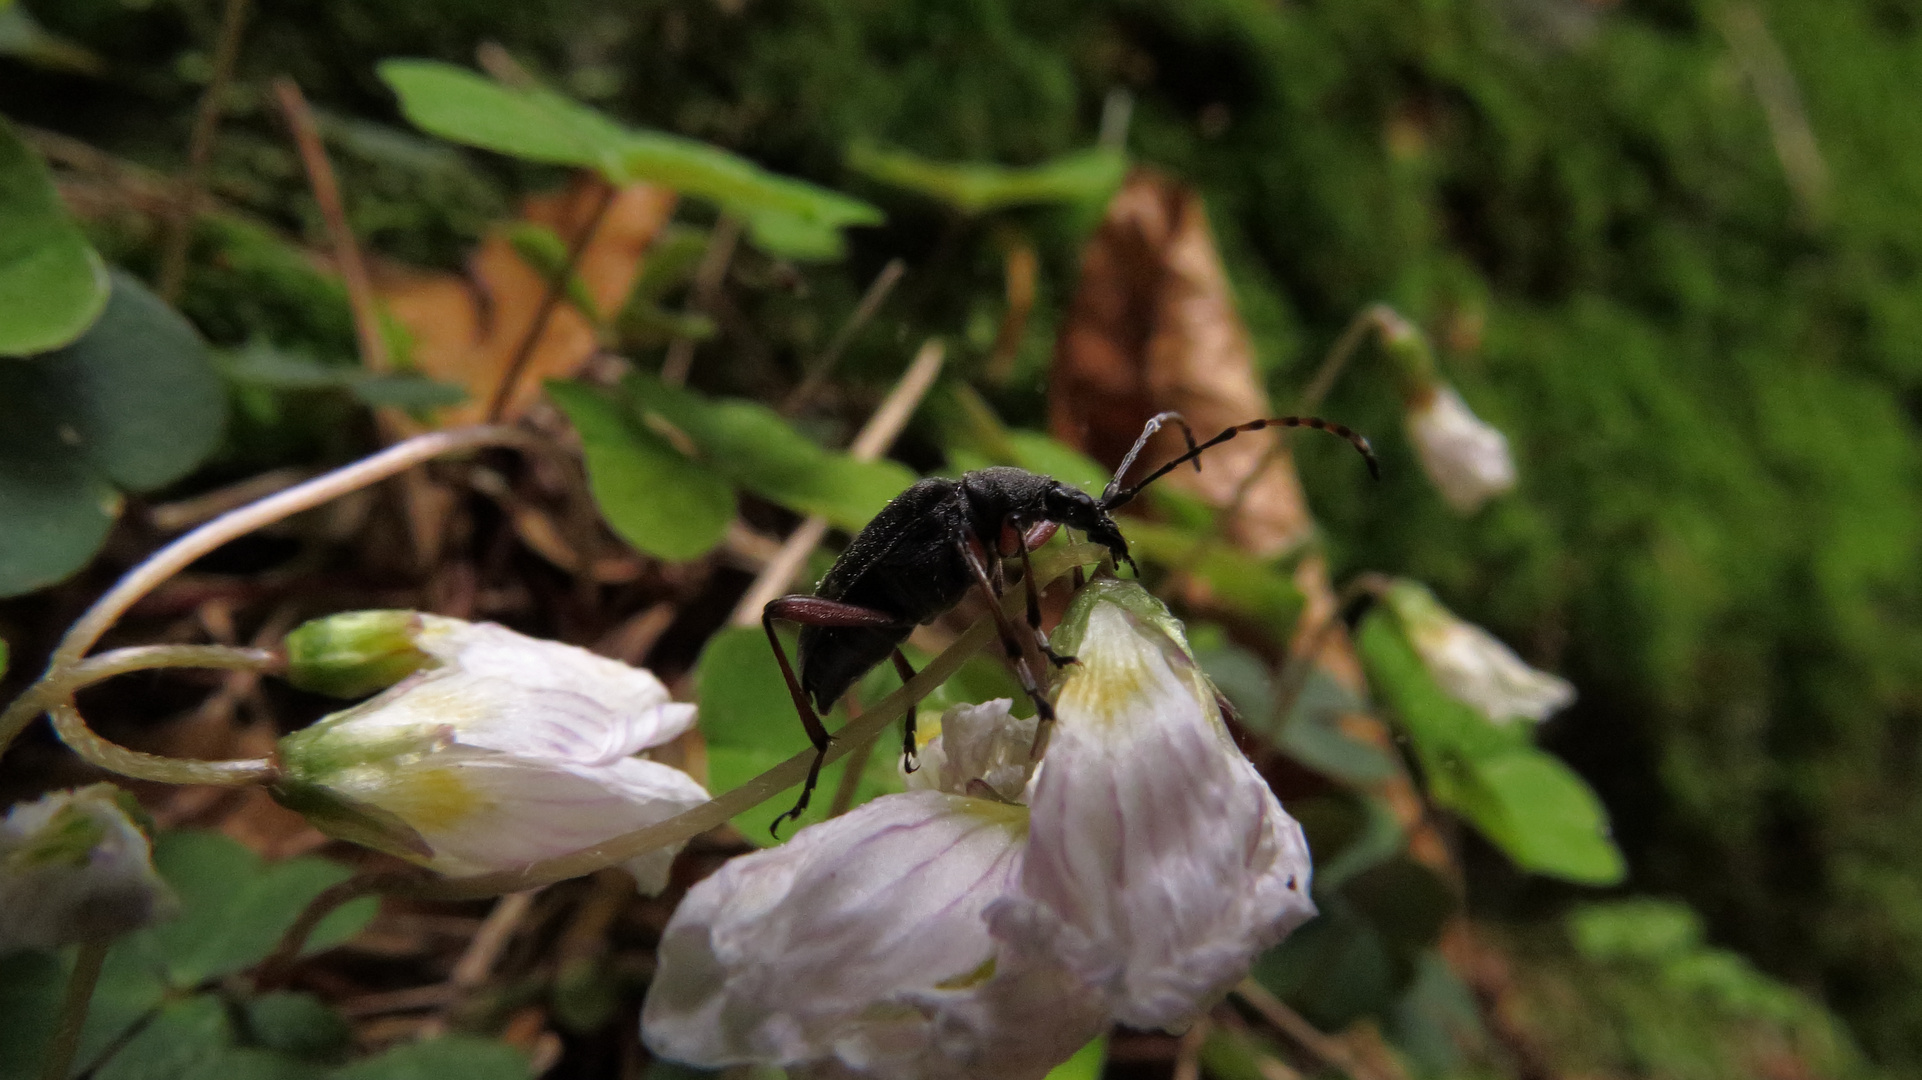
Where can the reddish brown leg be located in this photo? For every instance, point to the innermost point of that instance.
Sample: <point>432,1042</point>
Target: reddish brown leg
<point>1010,640</point>
<point>910,753</point>
<point>812,611</point>
<point>1034,601</point>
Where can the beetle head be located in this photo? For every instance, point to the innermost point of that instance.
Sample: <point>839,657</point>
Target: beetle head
<point>1078,510</point>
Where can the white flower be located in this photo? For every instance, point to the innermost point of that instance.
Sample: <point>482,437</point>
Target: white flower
<point>503,750</point>
<point>1467,459</point>
<point>1471,664</point>
<point>74,867</point>
<point>953,933</point>
<point>862,946</point>
<point>1158,856</point>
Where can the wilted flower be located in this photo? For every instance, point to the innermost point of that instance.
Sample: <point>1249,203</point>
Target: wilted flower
<point>1471,664</point>
<point>953,932</point>
<point>1467,459</point>
<point>501,750</point>
<point>75,867</point>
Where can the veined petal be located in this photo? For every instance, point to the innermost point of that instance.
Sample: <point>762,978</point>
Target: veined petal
<point>480,811</point>
<point>638,709</point>
<point>1158,855</point>
<point>1473,665</point>
<point>857,942</point>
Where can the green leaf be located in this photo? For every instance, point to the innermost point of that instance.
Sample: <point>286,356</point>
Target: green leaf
<point>753,446</point>
<point>52,283</point>
<point>135,403</point>
<point>192,1039</point>
<point>748,720</point>
<point>297,1024</point>
<point>437,1059</point>
<point>791,236</point>
<point>31,982</point>
<point>535,124</point>
<point>22,36</point>
<point>543,250</point>
<point>137,394</point>
<point>1086,1064</point>
<point>265,365</point>
<point>234,907</point>
<point>1085,176</point>
<point>1541,815</point>
<point>651,494</point>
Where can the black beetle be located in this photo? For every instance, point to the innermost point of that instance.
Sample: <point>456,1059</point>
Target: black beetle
<point>921,554</point>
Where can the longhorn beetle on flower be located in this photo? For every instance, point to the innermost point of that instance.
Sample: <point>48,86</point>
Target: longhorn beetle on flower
<point>919,556</point>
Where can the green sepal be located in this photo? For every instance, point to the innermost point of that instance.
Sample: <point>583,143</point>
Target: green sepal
<point>354,653</point>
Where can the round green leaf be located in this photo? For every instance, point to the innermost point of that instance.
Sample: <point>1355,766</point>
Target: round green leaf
<point>137,395</point>
<point>651,494</point>
<point>52,284</point>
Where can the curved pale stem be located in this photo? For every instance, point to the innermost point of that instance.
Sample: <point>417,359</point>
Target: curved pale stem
<point>175,557</point>
<point>54,692</point>
<point>121,661</point>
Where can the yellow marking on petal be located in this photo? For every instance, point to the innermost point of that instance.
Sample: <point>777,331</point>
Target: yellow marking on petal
<point>1114,667</point>
<point>973,978</point>
<point>433,800</point>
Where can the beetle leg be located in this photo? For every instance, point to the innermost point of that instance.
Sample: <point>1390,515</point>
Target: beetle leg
<point>910,753</point>
<point>812,611</point>
<point>1010,640</point>
<point>1034,604</point>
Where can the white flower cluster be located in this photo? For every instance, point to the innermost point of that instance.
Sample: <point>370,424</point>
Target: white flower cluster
<point>992,920</point>
<point>502,750</point>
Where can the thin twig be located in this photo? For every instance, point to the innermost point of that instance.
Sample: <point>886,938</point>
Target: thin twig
<point>1306,1035</point>
<point>708,277</point>
<point>320,176</point>
<point>718,811</point>
<point>1188,1050</point>
<point>484,951</point>
<point>73,1008</point>
<point>274,970</point>
<point>879,433</point>
<point>1343,350</point>
<point>871,301</point>
<point>200,147</point>
<point>550,302</point>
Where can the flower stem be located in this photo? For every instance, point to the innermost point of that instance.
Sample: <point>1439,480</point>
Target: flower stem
<point>95,669</point>
<point>175,557</point>
<point>73,1008</point>
<point>81,739</point>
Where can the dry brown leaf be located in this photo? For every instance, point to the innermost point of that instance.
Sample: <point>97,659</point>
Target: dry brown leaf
<point>467,331</point>
<point>1153,326</point>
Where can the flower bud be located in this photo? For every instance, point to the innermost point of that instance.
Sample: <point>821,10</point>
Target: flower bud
<point>1471,664</point>
<point>1466,458</point>
<point>501,751</point>
<point>354,653</point>
<point>75,867</point>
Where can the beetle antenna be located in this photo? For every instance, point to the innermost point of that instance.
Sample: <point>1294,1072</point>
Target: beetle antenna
<point>1113,498</point>
<point>1147,432</point>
